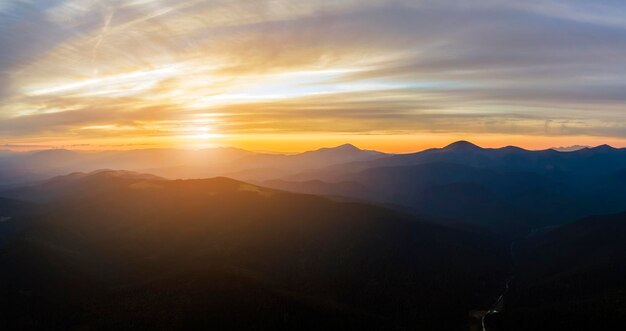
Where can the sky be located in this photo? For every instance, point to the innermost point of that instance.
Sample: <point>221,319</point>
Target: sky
<point>282,75</point>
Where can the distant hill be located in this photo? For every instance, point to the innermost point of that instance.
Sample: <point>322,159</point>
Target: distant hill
<point>40,165</point>
<point>112,249</point>
<point>77,184</point>
<point>19,168</point>
<point>282,165</point>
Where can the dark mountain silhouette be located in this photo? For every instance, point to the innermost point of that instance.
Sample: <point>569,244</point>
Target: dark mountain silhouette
<point>326,164</point>
<point>398,241</point>
<point>115,250</point>
<point>571,278</point>
<point>462,145</point>
<point>595,161</point>
<point>514,190</point>
<point>501,202</point>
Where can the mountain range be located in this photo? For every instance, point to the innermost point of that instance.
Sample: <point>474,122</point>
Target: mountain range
<point>17,168</point>
<point>453,238</point>
<point>508,190</point>
<point>115,249</point>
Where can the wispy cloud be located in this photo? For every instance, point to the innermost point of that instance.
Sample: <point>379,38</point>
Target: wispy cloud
<point>82,69</point>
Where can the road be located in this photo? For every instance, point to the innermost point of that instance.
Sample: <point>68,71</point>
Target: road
<point>498,306</point>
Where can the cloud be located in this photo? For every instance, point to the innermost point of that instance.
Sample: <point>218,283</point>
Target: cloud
<point>83,68</point>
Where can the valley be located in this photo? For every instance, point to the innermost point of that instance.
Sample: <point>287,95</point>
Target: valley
<point>392,241</point>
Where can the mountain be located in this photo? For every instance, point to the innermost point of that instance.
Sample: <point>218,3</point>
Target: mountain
<point>462,146</point>
<point>507,190</point>
<point>291,164</point>
<point>74,184</point>
<point>326,164</point>
<point>113,250</point>
<point>598,160</point>
<point>423,240</point>
<point>19,168</point>
<point>25,167</point>
<point>474,196</point>
<point>571,278</point>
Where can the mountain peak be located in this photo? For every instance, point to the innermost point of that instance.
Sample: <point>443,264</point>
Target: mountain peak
<point>461,145</point>
<point>604,147</point>
<point>346,147</point>
<point>341,148</point>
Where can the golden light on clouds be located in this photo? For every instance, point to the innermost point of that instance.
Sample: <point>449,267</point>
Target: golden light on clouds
<point>290,74</point>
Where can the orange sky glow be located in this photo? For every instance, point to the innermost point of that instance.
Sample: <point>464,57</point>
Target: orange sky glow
<point>290,76</point>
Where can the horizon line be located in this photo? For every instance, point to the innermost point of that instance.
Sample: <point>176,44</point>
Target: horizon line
<point>14,148</point>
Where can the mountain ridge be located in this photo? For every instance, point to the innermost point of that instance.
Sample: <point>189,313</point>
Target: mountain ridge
<point>221,252</point>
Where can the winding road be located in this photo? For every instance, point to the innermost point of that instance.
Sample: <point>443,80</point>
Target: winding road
<point>499,304</point>
<point>497,307</point>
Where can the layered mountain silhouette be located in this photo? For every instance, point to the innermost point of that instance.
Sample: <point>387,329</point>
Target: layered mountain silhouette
<point>20,168</point>
<point>115,249</point>
<point>508,190</point>
<point>443,239</point>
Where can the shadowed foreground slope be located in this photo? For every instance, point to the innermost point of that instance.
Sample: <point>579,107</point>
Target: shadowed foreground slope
<point>571,278</point>
<point>119,251</point>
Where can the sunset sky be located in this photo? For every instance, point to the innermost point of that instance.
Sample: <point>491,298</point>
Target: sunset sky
<point>293,75</point>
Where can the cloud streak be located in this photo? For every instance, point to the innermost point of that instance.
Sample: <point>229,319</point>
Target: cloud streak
<point>73,69</point>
